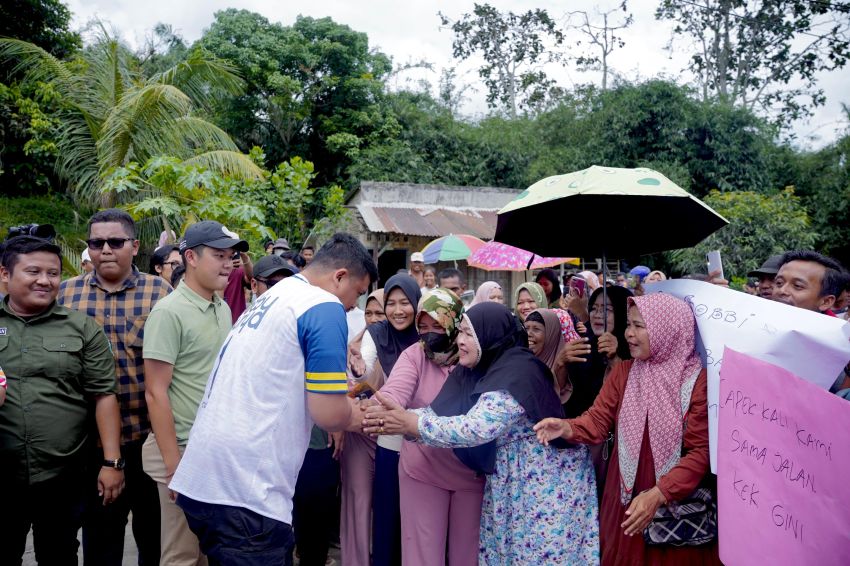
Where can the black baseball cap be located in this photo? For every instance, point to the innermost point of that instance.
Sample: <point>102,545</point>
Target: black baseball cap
<point>212,234</point>
<point>268,265</point>
<point>769,267</point>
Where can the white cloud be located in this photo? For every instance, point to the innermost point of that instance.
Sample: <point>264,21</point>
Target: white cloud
<point>410,31</point>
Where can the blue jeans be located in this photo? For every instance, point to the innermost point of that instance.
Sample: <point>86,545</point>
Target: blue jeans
<point>234,536</point>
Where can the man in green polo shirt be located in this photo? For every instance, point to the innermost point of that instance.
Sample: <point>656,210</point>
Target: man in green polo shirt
<point>58,364</point>
<point>183,335</point>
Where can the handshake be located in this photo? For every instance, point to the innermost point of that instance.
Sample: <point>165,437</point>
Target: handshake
<point>382,415</point>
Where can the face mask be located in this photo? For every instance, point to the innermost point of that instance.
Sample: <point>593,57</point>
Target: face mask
<point>435,343</point>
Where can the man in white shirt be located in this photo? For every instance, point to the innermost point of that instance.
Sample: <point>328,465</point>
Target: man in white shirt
<point>281,369</point>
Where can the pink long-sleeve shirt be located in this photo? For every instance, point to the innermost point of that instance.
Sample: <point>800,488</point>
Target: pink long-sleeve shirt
<point>413,383</point>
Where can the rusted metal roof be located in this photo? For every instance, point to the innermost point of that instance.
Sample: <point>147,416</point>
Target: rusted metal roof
<point>432,222</point>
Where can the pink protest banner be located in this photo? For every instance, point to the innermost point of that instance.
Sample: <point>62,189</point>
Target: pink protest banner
<point>783,467</point>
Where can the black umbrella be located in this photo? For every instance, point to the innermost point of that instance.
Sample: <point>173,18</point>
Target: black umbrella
<point>603,211</point>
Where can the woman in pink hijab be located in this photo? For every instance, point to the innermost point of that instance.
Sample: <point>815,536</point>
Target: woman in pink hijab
<point>489,291</point>
<point>655,405</point>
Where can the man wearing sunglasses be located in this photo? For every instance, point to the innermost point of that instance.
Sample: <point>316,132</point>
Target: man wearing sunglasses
<point>120,297</point>
<point>268,271</point>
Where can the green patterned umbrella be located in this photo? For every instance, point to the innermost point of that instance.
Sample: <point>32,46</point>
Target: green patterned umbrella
<point>603,211</point>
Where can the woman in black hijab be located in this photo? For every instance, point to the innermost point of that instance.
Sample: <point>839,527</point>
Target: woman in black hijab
<point>382,344</point>
<point>539,506</point>
<point>590,360</point>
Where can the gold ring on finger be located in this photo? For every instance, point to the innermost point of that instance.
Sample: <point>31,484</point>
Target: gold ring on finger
<point>381,430</point>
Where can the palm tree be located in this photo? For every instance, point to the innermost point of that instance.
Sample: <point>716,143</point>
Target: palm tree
<point>112,114</point>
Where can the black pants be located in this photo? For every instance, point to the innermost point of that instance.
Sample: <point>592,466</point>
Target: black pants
<point>386,509</point>
<point>234,536</point>
<point>53,509</point>
<point>104,525</point>
<point>314,505</point>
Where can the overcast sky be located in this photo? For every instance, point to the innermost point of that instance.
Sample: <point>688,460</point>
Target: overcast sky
<point>410,31</point>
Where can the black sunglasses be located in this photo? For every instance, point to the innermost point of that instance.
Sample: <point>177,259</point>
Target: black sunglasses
<point>114,243</point>
<point>270,282</point>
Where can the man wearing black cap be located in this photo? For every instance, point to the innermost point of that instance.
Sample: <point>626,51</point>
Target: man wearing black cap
<point>269,270</point>
<point>766,274</point>
<point>183,334</point>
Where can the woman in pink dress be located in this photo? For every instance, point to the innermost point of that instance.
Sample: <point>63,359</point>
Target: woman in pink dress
<point>440,496</point>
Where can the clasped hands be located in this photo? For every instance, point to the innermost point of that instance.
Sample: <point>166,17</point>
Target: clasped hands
<point>382,415</point>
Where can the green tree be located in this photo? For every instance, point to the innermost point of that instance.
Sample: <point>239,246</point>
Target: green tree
<point>27,148</point>
<point>111,114</point>
<point>514,47</point>
<point>313,88</point>
<point>167,193</point>
<point>762,55</point>
<point>42,22</point>
<point>163,48</point>
<point>658,124</point>
<point>296,208</point>
<point>27,145</point>
<point>760,225</point>
<point>433,147</point>
<point>823,183</point>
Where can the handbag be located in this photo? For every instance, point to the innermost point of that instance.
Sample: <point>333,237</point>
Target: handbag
<point>690,522</point>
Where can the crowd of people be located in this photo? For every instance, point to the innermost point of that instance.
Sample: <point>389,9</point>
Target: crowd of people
<point>248,412</point>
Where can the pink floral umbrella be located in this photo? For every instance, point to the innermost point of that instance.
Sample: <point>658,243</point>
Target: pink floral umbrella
<point>496,256</point>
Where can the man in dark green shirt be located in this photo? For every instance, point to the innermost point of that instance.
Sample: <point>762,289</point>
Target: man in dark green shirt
<point>58,366</point>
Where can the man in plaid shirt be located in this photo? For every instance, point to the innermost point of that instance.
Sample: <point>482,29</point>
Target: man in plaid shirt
<point>119,298</point>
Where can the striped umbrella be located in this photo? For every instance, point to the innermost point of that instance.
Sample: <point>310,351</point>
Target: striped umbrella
<point>496,256</point>
<point>451,248</point>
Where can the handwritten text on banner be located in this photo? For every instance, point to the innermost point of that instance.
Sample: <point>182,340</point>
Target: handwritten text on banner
<point>783,462</point>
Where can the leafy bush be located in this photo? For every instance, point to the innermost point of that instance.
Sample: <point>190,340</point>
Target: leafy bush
<point>760,225</point>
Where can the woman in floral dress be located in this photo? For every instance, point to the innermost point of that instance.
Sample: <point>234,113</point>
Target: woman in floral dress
<point>539,505</point>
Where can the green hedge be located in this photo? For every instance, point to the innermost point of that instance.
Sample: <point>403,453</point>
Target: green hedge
<point>69,221</point>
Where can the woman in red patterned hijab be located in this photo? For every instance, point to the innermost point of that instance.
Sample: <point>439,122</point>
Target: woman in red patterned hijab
<point>655,406</point>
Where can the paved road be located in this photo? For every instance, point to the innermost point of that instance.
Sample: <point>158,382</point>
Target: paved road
<point>129,551</point>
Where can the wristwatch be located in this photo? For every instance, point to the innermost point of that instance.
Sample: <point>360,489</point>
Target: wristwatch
<point>118,463</point>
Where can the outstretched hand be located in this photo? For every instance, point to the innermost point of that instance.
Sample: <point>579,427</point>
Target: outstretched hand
<point>551,428</point>
<point>356,365</point>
